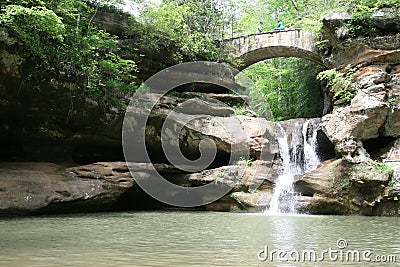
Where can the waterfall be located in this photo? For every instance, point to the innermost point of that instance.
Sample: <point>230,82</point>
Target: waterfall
<point>284,197</point>
<point>311,158</point>
<point>283,192</point>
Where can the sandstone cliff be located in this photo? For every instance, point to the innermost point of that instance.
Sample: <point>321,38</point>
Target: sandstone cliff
<point>367,128</point>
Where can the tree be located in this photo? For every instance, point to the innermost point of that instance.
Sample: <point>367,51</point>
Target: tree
<point>290,87</point>
<point>61,38</point>
<point>195,25</point>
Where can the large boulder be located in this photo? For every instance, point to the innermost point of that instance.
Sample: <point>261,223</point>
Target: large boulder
<point>241,202</point>
<point>335,18</point>
<point>198,106</point>
<point>241,177</point>
<point>36,188</point>
<point>188,127</point>
<point>229,99</point>
<point>386,19</point>
<point>340,187</point>
<point>252,186</point>
<point>46,188</point>
<point>358,121</point>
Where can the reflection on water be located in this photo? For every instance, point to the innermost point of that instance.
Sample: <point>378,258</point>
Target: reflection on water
<point>184,239</point>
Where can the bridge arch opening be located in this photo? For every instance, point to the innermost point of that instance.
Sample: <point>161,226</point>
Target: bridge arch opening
<point>287,43</point>
<point>261,54</point>
<point>290,87</point>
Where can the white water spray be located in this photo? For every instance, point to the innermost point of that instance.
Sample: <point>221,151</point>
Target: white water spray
<point>311,158</point>
<point>284,197</point>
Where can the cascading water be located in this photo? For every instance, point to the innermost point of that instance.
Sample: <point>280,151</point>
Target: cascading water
<point>284,197</point>
<point>283,192</point>
<point>311,158</point>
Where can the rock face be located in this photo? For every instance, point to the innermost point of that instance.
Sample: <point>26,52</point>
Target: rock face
<point>47,188</point>
<point>386,19</point>
<point>56,124</point>
<point>241,202</point>
<point>389,206</point>
<point>339,187</point>
<point>243,179</point>
<point>373,112</point>
<point>356,184</point>
<point>52,122</point>
<point>242,134</point>
<point>382,49</point>
<point>113,22</point>
<point>201,107</point>
<point>35,188</point>
<point>393,155</point>
<point>336,187</point>
<point>49,119</point>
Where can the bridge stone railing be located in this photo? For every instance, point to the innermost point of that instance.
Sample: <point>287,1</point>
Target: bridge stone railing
<point>287,43</point>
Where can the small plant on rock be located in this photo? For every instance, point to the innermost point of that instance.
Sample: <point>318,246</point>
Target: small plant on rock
<point>341,83</point>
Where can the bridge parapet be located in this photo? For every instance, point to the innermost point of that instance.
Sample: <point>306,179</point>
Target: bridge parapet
<point>286,43</point>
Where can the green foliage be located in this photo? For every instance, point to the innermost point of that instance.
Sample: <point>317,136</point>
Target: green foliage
<point>167,18</point>
<point>381,167</point>
<point>361,11</point>
<point>364,8</point>
<point>33,25</point>
<point>61,37</point>
<point>62,41</point>
<point>343,183</point>
<point>241,110</point>
<point>245,162</point>
<point>111,79</point>
<point>194,25</point>
<point>305,14</point>
<point>341,84</point>
<point>288,85</point>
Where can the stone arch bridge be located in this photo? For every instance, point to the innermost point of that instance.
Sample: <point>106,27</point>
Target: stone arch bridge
<point>287,43</point>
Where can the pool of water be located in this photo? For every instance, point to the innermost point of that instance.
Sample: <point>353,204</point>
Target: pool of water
<point>196,239</point>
